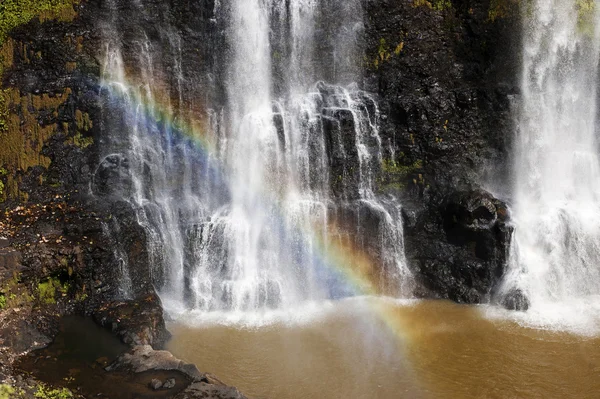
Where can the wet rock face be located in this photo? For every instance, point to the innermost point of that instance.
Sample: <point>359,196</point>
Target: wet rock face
<point>138,322</point>
<point>58,201</point>
<point>477,220</point>
<point>112,176</point>
<point>445,77</point>
<point>515,299</point>
<point>464,257</point>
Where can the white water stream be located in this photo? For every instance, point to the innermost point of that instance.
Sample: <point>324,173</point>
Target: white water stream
<point>244,224</point>
<point>555,257</point>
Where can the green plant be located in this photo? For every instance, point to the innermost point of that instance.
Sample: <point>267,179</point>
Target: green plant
<point>395,175</point>
<point>2,305</point>
<point>6,391</point>
<point>436,5</point>
<point>47,292</point>
<point>3,172</point>
<point>44,392</point>
<point>81,142</point>
<point>585,16</point>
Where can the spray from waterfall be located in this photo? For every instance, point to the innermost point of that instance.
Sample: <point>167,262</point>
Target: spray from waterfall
<point>246,212</point>
<point>555,257</point>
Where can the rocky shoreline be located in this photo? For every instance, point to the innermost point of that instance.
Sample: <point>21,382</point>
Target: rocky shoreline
<point>53,264</point>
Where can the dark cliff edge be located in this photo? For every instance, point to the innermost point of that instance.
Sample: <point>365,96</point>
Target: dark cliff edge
<point>444,72</point>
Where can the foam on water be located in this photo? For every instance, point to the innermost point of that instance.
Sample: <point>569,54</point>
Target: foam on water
<point>311,312</point>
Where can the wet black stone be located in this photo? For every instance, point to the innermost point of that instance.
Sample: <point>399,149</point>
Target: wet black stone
<point>516,300</point>
<point>444,101</point>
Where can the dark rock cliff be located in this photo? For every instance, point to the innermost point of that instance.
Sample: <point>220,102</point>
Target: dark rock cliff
<point>56,257</point>
<point>445,73</point>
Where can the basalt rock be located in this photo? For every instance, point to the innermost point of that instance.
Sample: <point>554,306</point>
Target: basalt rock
<point>463,256</point>
<point>142,359</point>
<point>200,390</point>
<point>515,299</point>
<point>445,77</point>
<point>137,322</point>
<point>112,176</point>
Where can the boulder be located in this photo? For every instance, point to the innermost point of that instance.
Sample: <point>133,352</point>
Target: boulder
<point>463,256</point>
<point>156,384</point>
<point>143,358</point>
<point>138,322</point>
<point>516,300</point>
<point>204,390</point>
<point>170,383</point>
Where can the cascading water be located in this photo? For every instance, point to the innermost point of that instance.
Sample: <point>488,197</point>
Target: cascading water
<point>556,251</point>
<point>291,169</point>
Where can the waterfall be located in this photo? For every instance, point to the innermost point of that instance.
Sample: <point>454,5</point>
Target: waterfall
<point>288,167</point>
<point>555,256</point>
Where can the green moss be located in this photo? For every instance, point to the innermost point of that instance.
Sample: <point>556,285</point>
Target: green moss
<point>385,52</point>
<point>47,292</point>
<point>395,168</point>
<point>6,391</point>
<point>81,296</point>
<point>14,13</point>
<point>21,135</point>
<point>18,12</point>
<point>2,302</point>
<point>502,9</point>
<point>81,142</point>
<point>3,172</point>
<point>585,12</point>
<point>3,104</point>
<point>436,5</point>
<point>44,392</point>
<point>395,175</point>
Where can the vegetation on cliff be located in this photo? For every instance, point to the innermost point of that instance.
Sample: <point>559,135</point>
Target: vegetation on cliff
<point>14,13</point>
<point>20,128</point>
<point>437,5</point>
<point>18,12</point>
<point>585,12</point>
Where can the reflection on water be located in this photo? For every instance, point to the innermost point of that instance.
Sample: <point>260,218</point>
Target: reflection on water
<point>369,348</point>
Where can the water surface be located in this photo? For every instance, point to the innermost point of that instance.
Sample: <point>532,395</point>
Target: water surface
<point>375,348</point>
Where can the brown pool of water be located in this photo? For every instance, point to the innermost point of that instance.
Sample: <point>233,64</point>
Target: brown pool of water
<point>371,348</point>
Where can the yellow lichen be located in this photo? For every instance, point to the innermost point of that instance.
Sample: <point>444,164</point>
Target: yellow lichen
<point>585,16</point>
<point>70,66</point>
<point>437,5</point>
<point>18,12</point>
<point>501,9</point>
<point>24,136</point>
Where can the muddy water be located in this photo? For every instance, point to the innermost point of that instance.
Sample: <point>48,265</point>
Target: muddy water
<point>367,348</point>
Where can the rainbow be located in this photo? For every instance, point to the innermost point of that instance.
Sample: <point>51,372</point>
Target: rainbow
<point>340,258</point>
